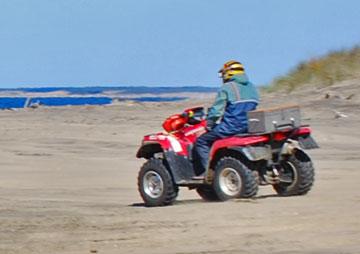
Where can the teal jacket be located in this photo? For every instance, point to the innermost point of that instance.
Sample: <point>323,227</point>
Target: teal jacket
<point>235,98</point>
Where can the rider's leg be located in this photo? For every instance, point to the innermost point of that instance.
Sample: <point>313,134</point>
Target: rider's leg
<point>202,149</point>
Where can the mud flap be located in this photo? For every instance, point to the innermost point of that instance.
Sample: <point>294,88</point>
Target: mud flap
<point>307,142</point>
<point>254,153</point>
<point>181,168</point>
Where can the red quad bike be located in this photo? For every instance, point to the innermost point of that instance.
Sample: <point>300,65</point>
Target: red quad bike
<point>271,153</point>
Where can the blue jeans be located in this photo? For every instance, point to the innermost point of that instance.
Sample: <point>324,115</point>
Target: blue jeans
<point>202,149</point>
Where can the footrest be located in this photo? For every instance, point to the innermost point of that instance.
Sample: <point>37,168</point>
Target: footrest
<point>201,177</point>
<point>191,182</point>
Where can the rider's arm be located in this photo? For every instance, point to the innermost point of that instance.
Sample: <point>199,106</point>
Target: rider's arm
<point>217,110</point>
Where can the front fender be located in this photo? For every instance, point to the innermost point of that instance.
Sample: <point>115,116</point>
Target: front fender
<point>148,149</point>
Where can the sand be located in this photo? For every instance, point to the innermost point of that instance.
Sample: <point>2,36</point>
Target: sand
<point>68,185</point>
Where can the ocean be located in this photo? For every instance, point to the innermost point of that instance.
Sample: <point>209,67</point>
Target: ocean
<point>92,95</point>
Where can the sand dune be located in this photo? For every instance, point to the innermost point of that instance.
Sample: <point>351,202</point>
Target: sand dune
<point>68,185</point>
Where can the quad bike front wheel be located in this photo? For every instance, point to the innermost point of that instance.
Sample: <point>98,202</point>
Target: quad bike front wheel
<point>296,175</point>
<point>233,180</point>
<point>155,184</point>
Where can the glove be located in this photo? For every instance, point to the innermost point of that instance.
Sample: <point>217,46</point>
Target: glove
<point>210,124</point>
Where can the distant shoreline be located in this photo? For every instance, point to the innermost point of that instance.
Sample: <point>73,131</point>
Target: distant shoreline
<point>76,96</point>
<point>116,90</point>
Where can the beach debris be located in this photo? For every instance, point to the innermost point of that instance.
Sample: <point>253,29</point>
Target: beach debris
<point>339,114</point>
<point>11,109</point>
<point>350,96</point>
<point>35,104</point>
<point>329,95</point>
<point>27,102</point>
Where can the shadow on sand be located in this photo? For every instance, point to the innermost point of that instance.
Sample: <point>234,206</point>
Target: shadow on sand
<point>199,201</point>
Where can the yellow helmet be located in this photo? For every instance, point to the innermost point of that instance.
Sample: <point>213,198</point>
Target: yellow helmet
<point>230,69</point>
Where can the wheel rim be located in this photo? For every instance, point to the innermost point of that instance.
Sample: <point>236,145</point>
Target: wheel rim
<point>230,182</point>
<point>288,174</point>
<point>153,184</point>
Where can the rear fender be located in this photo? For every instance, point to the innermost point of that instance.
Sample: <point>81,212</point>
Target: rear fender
<point>246,155</point>
<point>246,148</point>
<point>254,153</point>
<point>252,156</point>
<point>238,142</point>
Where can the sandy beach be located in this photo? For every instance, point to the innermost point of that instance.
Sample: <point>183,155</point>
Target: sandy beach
<point>69,185</point>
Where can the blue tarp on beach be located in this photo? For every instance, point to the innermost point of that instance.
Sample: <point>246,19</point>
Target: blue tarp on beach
<point>12,102</point>
<point>19,102</point>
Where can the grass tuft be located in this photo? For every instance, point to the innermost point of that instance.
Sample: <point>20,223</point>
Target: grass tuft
<point>323,71</point>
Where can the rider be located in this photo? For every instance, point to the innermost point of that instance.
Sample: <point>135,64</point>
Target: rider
<point>228,114</point>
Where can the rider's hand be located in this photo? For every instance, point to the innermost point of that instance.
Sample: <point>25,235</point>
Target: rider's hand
<point>210,124</point>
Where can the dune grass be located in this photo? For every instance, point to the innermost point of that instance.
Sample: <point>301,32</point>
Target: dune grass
<point>323,71</point>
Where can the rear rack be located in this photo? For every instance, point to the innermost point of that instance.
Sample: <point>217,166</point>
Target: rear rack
<point>287,129</point>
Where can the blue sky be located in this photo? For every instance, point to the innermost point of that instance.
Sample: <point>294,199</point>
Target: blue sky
<point>165,42</point>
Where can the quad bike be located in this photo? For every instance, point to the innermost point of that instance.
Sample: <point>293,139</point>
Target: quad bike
<point>237,165</point>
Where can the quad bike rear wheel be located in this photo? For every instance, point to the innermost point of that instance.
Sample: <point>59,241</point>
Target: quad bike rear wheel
<point>296,175</point>
<point>155,184</point>
<point>233,180</point>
